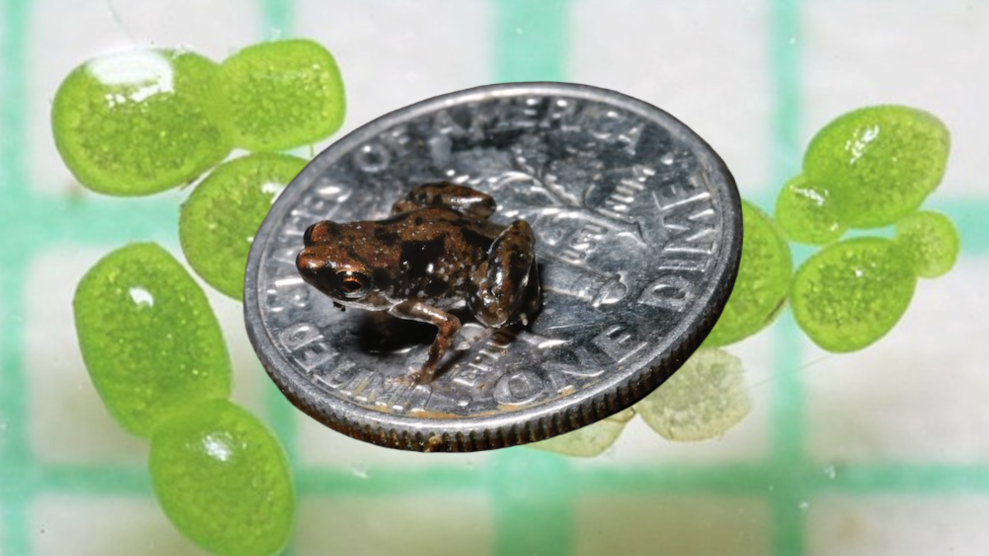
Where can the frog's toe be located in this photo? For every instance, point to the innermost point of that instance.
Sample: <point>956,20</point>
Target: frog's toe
<point>445,194</point>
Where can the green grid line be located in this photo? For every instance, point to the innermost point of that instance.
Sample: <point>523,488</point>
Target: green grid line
<point>530,490</point>
<point>530,40</point>
<point>856,479</point>
<point>969,216</point>
<point>277,21</point>
<point>88,480</point>
<point>11,259</point>
<point>12,404</point>
<point>785,159</point>
<point>787,421</point>
<point>276,17</point>
<point>14,538</point>
<point>531,495</point>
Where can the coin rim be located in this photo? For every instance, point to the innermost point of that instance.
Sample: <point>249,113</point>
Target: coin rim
<point>522,426</point>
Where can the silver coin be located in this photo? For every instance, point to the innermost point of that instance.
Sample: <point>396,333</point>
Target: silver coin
<point>638,227</point>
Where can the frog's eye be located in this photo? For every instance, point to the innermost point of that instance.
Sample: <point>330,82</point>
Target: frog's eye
<point>353,284</point>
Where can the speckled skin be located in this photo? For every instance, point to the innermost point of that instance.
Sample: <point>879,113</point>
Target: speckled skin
<point>438,252</point>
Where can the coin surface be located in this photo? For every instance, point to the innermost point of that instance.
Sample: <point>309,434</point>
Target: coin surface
<point>638,228</point>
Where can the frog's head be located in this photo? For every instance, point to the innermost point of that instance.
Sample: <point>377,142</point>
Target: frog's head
<point>329,264</point>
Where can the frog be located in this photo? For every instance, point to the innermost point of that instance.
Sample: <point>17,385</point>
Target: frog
<point>437,252</point>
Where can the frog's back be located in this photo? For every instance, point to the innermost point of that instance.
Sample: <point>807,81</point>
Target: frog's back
<point>433,222</point>
<point>429,252</point>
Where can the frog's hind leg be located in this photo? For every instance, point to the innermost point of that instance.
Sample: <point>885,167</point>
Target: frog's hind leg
<point>499,286</point>
<point>443,194</point>
<point>448,326</point>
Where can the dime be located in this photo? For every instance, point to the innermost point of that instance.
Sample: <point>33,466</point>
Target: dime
<point>638,227</point>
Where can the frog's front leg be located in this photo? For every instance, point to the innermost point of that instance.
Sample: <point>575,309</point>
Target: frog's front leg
<point>499,285</point>
<point>443,194</point>
<point>448,326</point>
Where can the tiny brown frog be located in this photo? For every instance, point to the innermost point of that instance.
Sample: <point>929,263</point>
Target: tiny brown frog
<point>438,252</point>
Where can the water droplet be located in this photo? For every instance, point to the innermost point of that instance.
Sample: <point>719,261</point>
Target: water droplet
<point>141,297</point>
<point>218,446</point>
<point>359,471</point>
<point>830,471</point>
<point>667,159</point>
<point>272,188</point>
<point>146,71</point>
<point>804,505</point>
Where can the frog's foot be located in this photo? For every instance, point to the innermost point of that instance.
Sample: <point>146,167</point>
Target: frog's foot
<point>448,327</point>
<point>443,194</point>
<point>499,286</point>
